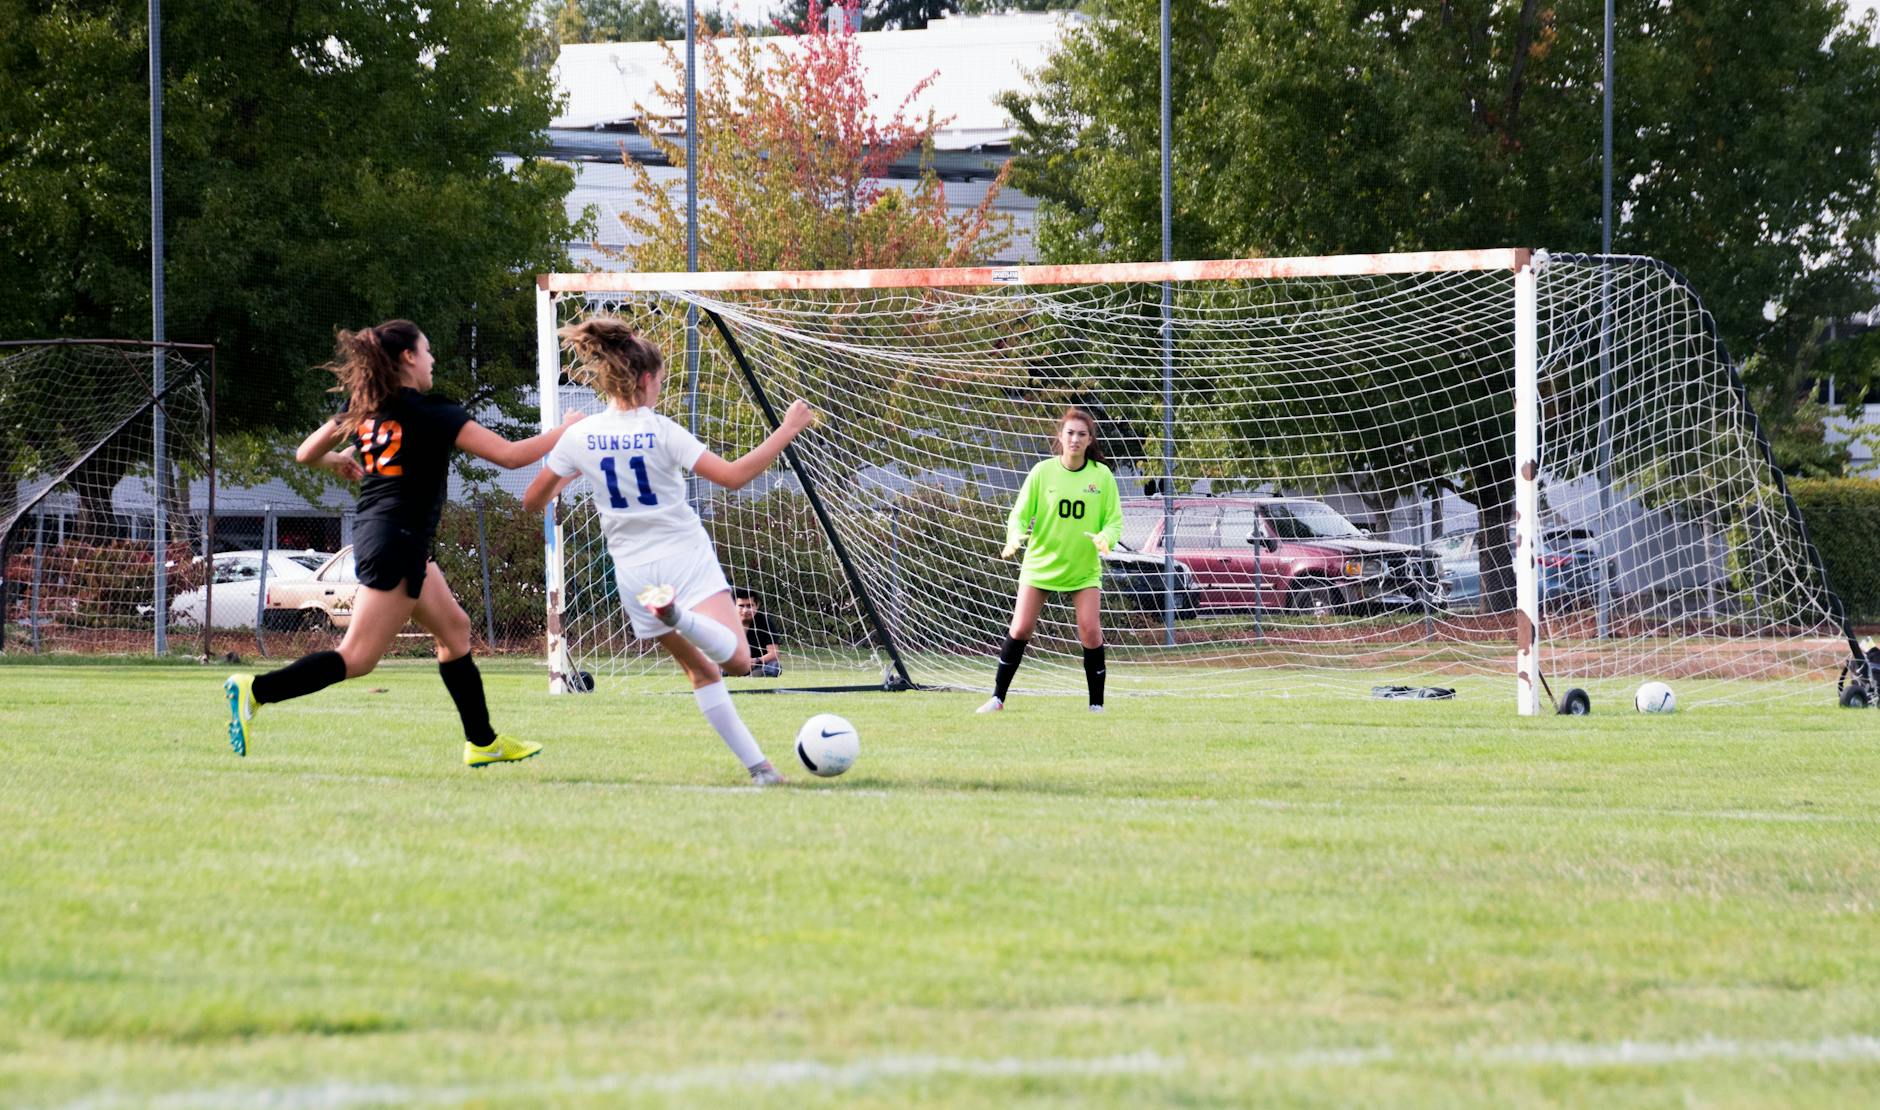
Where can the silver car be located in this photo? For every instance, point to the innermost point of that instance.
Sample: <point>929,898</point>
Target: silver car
<point>237,584</point>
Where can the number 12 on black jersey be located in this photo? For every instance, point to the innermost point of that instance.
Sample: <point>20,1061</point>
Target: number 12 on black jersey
<point>638,465</point>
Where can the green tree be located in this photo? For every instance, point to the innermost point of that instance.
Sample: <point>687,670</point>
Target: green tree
<point>625,20</point>
<point>792,157</point>
<point>791,160</point>
<point>1745,150</point>
<point>328,163</point>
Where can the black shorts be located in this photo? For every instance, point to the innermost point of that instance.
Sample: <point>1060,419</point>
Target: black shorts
<point>387,554</point>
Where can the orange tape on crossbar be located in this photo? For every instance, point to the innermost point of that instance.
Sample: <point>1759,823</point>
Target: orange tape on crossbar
<point>1338,265</point>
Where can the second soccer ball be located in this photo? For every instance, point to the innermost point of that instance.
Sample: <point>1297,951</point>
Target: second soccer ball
<point>1655,697</point>
<point>827,745</point>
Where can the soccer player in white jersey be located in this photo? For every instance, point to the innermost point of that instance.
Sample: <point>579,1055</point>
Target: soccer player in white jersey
<point>663,558</point>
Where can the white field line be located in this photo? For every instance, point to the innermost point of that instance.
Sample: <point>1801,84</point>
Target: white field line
<point>1853,1049</point>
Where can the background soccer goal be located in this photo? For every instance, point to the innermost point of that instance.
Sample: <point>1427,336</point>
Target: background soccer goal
<point>1368,469</point>
<point>100,444</point>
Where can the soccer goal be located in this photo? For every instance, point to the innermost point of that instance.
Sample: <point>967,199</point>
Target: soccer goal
<point>106,493</point>
<point>1337,473</point>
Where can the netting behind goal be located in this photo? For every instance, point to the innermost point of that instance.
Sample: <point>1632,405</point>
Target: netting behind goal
<point>91,534</point>
<point>1343,505</point>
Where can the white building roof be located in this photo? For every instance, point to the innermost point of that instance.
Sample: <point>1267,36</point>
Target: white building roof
<point>971,59</point>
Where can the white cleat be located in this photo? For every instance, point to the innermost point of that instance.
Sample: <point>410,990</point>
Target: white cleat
<point>764,774</point>
<point>993,705</point>
<point>1096,709</point>
<point>657,600</point>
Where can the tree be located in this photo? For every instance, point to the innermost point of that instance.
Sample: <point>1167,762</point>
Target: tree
<point>625,21</point>
<point>912,15</point>
<point>1745,150</point>
<point>791,161</point>
<point>792,157</point>
<point>327,163</point>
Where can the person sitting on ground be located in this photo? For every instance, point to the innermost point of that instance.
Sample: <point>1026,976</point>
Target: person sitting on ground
<point>760,635</point>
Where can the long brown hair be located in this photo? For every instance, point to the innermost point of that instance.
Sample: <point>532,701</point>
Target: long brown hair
<point>1092,453</point>
<point>367,364</point>
<point>615,358</point>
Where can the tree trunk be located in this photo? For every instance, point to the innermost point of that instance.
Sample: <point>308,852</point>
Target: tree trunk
<point>1491,491</point>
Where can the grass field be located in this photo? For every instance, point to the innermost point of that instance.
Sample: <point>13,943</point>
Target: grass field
<point>1215,902</point>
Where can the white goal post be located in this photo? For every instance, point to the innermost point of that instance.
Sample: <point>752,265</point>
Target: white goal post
<point>1393,468</point>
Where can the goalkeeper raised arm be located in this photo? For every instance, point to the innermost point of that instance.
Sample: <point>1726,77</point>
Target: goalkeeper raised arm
<point>1070,510</point>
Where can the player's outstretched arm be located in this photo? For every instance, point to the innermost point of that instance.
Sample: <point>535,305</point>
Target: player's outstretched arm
<point>545,488</point>
<point>317,451</point>
<point>740,472</point>
<point>508,454</point>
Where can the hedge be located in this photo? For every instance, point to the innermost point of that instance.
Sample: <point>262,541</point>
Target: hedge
<point>1843,516</point>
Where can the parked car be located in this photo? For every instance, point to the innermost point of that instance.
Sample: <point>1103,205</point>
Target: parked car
<point>1139,581</point>
<point>322,600</point>
<point>1285,554</point>
<point>1569,565</point>
<point>237,582</point>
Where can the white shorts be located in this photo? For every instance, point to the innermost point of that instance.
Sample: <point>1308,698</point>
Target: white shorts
<point>695,574</point>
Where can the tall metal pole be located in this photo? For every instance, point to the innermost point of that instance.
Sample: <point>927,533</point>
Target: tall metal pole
<point>691,225</point>
<point>160,607</point>
<point>1168,361</point>
<point>1605,350</point>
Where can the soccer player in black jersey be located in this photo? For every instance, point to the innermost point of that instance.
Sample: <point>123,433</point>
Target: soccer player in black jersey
<point>403,441</point>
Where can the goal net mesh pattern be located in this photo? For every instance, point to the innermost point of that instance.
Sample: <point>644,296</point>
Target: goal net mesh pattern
<point>1341,512</point>
<point>79,492</point>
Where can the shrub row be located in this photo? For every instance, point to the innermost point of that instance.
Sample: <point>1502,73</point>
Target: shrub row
<point>1843,517</point>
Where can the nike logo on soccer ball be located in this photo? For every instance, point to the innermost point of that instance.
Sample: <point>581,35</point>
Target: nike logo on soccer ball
<point>827,734</point>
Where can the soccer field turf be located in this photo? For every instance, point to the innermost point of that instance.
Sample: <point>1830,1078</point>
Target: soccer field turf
<point>1221,901</point>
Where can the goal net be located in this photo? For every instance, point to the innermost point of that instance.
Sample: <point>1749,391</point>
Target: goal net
<point>1337,474</point>
<point>96,537</point>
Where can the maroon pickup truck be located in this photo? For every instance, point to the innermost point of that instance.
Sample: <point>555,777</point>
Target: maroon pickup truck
<point>1285,554</point>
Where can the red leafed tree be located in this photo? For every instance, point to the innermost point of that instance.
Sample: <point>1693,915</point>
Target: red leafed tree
<point>792,157</point>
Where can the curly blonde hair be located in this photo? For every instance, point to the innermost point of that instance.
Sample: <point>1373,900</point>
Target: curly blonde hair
<point>615,359</point>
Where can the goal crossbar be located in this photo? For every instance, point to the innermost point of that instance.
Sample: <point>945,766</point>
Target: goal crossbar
<point>1114,273</point>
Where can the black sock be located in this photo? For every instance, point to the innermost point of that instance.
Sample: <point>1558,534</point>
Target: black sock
<point>1093,673</point>
<point>465,684</point>
<point>303,676</point>
<point>1009,655</point>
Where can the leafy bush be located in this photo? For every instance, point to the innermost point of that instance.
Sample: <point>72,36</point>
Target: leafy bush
<point>1843,517</point>
<point>517,599</point>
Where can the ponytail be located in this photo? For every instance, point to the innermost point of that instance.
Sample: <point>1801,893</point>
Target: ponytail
<point>366,364</point>
<point>615,359</point>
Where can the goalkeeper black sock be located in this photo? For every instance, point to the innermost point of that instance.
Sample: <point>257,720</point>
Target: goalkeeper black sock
<point>303,676</point>
<point>1093,673</point>
<point>1010,653</point>
<point>465,684</point>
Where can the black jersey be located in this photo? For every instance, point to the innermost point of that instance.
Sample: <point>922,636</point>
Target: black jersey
<point>405,450</point>
<point>760,634</point>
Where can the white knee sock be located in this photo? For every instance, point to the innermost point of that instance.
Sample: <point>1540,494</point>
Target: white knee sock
<point>715,640</point>
<point>715,702</point>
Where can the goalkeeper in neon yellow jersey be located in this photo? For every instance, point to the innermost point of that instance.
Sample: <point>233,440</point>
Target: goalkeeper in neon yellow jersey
<point>1070,510</point>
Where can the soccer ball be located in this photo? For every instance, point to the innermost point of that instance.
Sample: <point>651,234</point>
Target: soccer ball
<point>827,745</point>
<point>1655,697</point>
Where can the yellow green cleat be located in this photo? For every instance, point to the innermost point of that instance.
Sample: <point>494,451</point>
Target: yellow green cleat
<point>500,750</point>
<point>240,691</point>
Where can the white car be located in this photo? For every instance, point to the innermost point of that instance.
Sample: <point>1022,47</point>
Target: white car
<point>237,582</point>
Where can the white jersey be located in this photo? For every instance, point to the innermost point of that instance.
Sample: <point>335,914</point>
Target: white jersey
<point>637,462</point>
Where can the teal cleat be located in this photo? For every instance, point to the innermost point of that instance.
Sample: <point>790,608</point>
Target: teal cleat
<point>240,691</point>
